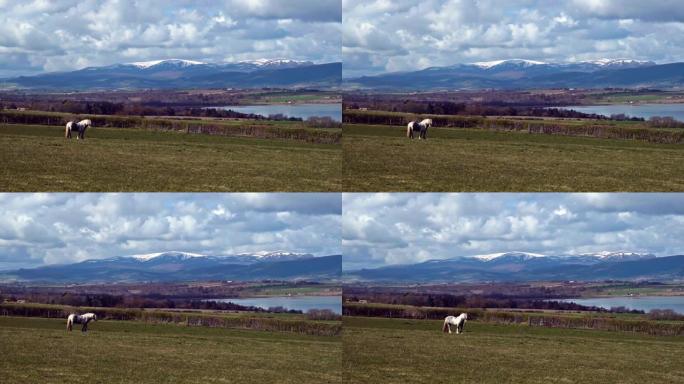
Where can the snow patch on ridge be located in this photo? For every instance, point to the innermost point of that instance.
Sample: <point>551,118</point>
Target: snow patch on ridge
<point>179,62</point>
<point>522,255</point>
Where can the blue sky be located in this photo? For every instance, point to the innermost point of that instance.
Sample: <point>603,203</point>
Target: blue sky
<point>37,229</point>
<point>387,229</point>
<point>59,35</point>
<point>400,35</point>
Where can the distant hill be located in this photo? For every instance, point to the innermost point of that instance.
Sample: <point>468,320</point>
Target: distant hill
<point>526,74</point>
<point>522,266</point>
<point>183,266</point>
<point>186,74</point>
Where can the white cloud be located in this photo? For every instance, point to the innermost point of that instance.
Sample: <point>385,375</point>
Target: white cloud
<point>59,228</point>
<point>60,35</point>
<point>385,229</point>
<point>381,36</point>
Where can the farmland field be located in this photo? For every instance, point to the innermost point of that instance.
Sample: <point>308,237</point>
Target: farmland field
<point>40,350</point>
<point>381,158</point>
<point>38,158</point>
<point>416,351</point>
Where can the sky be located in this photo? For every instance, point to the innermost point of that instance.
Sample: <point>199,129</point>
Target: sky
<point>40,229</point>
<point>401,35</point>
<point>61,35</point>
<point>390,229</point>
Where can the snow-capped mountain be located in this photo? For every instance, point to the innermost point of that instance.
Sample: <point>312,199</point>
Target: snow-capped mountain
<point>277,255</point>
<point>509,255</point>
<point>242,258</point>
<point>526,266</point>
<point>619,255</point>
<point>524,73</point>
<point>170,254</point>
<point>589,257</point>
<point>187,266</point>
<point>511,62</point>
<point>277,63</point>
<point>169,62</point>
<point>247,65</point>
<point>622,63</point>
<point>189,74</point>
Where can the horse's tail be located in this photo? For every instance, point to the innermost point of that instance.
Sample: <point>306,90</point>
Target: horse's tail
<point>70,322</point>
<point>445,327</point>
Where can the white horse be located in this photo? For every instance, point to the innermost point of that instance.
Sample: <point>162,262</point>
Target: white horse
<point>81,126</point>
<point>459,321</point>
<point>422,127</point>
<point>80,319</point>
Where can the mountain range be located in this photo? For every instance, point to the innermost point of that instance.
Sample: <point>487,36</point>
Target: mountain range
<point>186,74</point>
<point>184,266</point>
<point>528,74</point>
<point>524,266</point>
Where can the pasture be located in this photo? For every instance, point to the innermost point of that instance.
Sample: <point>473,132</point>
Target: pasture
<point>381,158</point>
<point>38,158</point>
<point>416,351</point>
<point>40,350</point>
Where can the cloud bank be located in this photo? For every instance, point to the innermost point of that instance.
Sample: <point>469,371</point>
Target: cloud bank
<point>387,229</point>
<point>387,36</point>
<point>47,36</point>
<point>38,229</point>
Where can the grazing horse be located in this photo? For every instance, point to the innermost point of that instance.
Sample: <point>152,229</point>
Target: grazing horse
<point>69,128</point>
<point>459,321</point>
<point>81,126</point>
<point>422,127</point>
<point>80,319</point>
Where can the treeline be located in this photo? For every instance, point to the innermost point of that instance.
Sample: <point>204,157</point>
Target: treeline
<point>322,314</point>
<point>495,290</point>
<point>181,318</point>
<point>551,127</point>
<point>477,109</point>
<point>247,128</point>
<point>665,314</point>
<point>128,109</point>
<point>479,301</point>
<point>149,97</point>
<point>132,301</point>
<point>159,290</point>
<point>501,98</point>
<point>664,122</point>
<point>526,318</point>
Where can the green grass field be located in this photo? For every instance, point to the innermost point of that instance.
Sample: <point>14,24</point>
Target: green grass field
<point>416,351</point>
<point>381,158</point>
<point>40,350</point>
<point>38,158</point>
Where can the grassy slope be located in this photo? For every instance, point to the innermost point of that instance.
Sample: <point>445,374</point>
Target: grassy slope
<point>381,158</point>
<point>38,158</point>
<point>415,351</point>
<point>40,350</point>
